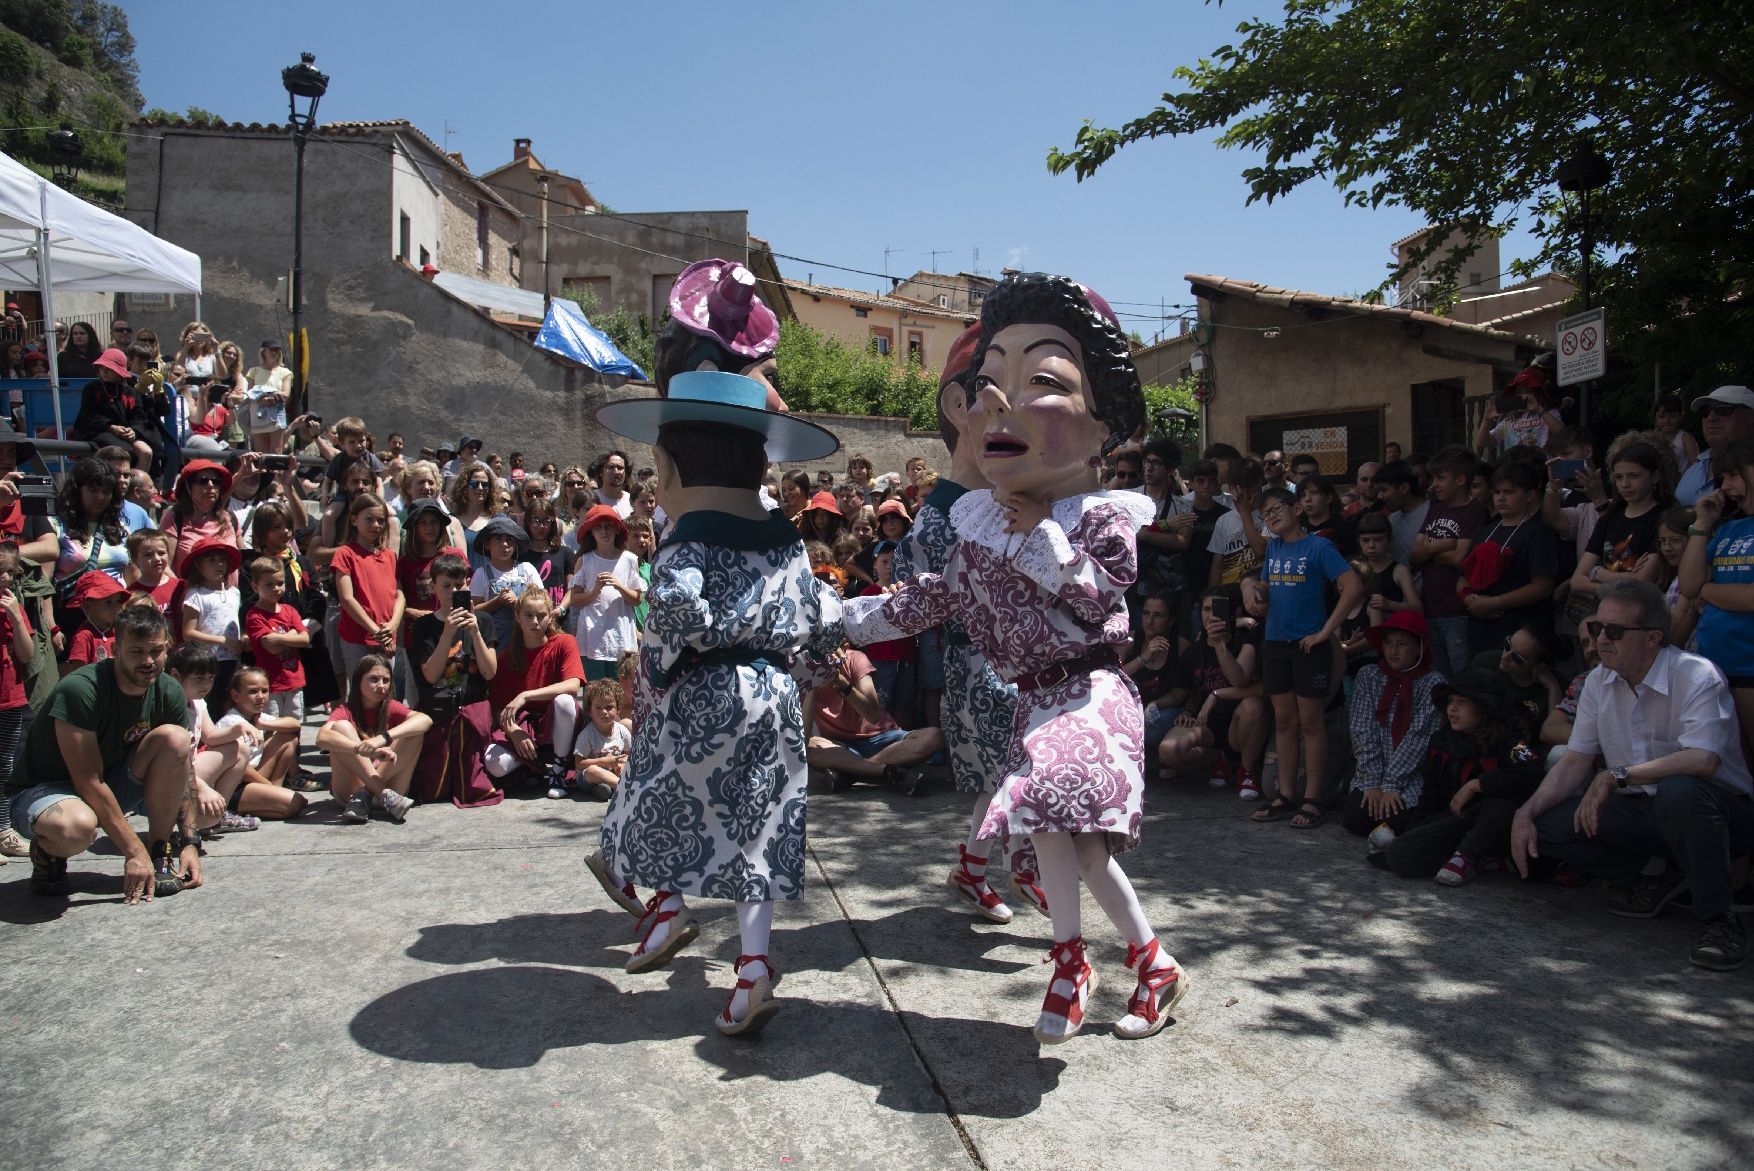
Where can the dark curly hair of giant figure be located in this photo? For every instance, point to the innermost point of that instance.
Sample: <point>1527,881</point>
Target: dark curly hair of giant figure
<point>1038,298</point>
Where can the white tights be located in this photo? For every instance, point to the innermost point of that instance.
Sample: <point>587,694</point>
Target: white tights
<point>500,760</point>
<point>754,921</point>
<point>1065,858</point>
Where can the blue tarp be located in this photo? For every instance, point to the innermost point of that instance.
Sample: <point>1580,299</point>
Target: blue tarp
<point>567,333</point>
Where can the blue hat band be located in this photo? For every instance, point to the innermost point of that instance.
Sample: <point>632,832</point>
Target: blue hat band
<point>717,386</point>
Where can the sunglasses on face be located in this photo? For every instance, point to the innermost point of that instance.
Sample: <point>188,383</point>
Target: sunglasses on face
<point>1720,411</point>
<point>205,481</point>
<point>478,485</point>
<point>1612,631</point>
<point>1516,657</point>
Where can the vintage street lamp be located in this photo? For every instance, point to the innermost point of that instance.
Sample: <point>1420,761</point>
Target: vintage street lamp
<point>68,154</point>
<point>1582,173</point>
<point>303,82</point>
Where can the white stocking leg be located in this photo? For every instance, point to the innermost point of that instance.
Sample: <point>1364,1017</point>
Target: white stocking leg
<point>754,921</point>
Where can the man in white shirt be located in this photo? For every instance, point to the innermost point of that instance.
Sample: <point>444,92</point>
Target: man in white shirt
<point>1675,784</point>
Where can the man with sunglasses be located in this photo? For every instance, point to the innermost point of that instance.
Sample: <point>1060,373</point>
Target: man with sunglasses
<point>1727,414</point>
<point>1675,783</point>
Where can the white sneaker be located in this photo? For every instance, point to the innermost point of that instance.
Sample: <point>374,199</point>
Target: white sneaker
<point>395,805</point>
<point>358,807</point>
<point>1381,838</point>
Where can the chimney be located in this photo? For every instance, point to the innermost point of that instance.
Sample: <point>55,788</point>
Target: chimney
<point>520,149</point>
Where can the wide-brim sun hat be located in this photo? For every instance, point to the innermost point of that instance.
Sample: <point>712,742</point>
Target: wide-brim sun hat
<point>825,502</point>
<point>115,361</point>
<point>196,466</point>
<point>714,396</point>
<point>717,299</point>
<point>1483,688</point>
<point>602,514</point>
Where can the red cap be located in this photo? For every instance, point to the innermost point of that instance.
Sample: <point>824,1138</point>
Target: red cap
<point>95,585</point>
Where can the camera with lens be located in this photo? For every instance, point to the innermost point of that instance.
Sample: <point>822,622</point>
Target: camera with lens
<point>36,494</point>
<point>274,463</point>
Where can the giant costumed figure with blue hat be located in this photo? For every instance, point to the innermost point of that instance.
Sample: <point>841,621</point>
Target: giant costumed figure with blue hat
<point>712,803</point>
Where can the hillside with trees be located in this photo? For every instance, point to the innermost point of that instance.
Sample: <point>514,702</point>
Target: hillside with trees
<point>69,62</point>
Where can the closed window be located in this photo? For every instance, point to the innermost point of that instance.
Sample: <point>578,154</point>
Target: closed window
<point>404,237</point>
<point>857,312</point>
<point>481,236</point>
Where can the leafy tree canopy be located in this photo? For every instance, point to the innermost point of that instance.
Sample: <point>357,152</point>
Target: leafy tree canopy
<point>1463,111</point>
<point>822,373</point>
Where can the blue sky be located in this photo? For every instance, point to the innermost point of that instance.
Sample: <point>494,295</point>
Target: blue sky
<point>844,131</point>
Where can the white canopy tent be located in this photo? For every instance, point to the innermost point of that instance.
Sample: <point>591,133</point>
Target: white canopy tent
<point>55,240</point>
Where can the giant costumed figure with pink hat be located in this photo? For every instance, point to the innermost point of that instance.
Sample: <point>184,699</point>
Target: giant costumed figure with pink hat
<point>1038,578</point>
<point>712,802</point>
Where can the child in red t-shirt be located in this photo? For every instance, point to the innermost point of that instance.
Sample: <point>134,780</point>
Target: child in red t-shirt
<point>149,565</point>
<point>365,583</point>
<point>373,743</point>
<point>100,597</point>
<point>277,634</point>
<point>16,650</point>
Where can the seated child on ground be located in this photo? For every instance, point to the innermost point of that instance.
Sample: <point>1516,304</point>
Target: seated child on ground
<point>1392,722</point>
<point>270,755</point>
<point>600,751</point>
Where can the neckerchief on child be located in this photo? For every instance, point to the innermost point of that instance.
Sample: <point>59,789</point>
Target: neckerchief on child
<point>1397,695</point>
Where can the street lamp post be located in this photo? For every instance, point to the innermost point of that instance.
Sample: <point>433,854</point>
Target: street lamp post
<point>305,81</point>
<point>1584,172</point>
<point>68,154</point>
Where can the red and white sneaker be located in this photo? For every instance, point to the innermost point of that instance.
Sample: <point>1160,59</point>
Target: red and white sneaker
<point>1247,787</point>
<point>1458,871</point>
<point>666,928</point>
<point>974,891</point>
<point>1162,984</point>
<point>1220,778</point>
<point>1073,984</point>
<point>761,1003</point>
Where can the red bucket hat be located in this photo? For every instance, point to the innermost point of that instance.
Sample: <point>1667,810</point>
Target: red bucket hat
<point>196,466</point>
<point>599,514</point>
<point>115,361</point>
<point>1402,620</point>
<point>233,559</point>
<point>95,585</point>
<point>824,502</point>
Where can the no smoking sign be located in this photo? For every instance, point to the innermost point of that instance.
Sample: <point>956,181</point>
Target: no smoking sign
<point>1583,352</point>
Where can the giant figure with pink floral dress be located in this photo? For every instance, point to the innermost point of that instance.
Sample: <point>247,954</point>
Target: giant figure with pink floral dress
<point>1038,579</point>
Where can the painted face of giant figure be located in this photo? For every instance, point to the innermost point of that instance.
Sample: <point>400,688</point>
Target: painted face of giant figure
<point>1054,387</point>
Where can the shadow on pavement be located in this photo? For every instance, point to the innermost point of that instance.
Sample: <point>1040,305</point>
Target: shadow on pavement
<point>510,1017</point>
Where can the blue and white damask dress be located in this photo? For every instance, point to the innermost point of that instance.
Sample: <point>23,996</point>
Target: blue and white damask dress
<point>977,705</point>
<point>712,803</point>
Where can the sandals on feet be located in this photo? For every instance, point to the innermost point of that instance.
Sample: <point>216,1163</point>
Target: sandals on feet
<point>1146,1014</point>
<point>1062,1013</point>
<point>1273,809</point>
<point>682,930</point>
<point>975,892</point>
<point>762,1004</point>
<point>621,894</point>
<point>1312,814</point>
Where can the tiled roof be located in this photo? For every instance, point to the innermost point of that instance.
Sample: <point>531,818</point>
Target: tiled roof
<point>1500,322</point>
<point>338,130</point>
<point>877,301</point>
<point>1298,299</point>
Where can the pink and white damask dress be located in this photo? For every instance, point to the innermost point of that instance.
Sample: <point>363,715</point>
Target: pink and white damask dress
<point>1048,610</point>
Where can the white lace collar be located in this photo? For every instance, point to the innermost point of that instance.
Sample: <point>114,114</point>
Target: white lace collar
<point>978,516</point>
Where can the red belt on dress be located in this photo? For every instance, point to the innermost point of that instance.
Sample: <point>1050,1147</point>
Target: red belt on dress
<point>1103,656</point>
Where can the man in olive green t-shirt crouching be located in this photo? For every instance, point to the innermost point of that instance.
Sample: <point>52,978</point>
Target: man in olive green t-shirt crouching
<point>111,741</point>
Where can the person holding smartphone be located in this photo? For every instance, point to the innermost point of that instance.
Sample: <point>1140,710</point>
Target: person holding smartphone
<point>1521,415</point>
<point>1223,717</point>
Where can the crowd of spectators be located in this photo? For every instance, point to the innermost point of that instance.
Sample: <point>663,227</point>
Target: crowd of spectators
<point>1540,661</point>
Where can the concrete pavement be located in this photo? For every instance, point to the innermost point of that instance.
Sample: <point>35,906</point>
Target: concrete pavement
<point>449,993</point>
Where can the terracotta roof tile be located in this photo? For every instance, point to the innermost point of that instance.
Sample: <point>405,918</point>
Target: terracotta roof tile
<point>1298,299</point>
<point>877,301</point>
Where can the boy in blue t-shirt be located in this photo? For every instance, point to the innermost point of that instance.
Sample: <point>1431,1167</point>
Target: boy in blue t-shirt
<point>1301,661</point>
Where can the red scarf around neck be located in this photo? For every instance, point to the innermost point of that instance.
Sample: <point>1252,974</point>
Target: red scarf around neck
<point>1395,708</point>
